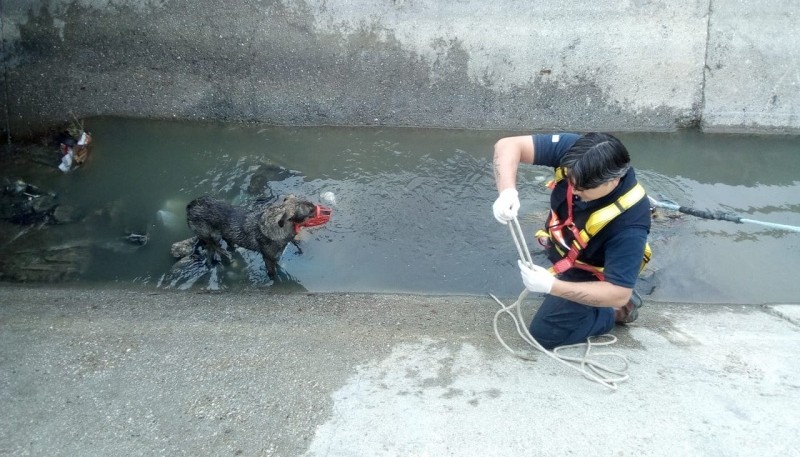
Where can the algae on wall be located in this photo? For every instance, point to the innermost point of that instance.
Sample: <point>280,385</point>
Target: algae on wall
<point>514,65</point>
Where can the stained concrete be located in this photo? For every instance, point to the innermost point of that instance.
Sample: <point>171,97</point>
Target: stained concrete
<point>141,371</point>
<point>615,65</point>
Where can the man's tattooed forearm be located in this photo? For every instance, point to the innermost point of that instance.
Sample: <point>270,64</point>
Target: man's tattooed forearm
<point>582,297</point>
<point>496,166</point>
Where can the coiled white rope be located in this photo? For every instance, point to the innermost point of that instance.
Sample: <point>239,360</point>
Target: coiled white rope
<point>588,364</point>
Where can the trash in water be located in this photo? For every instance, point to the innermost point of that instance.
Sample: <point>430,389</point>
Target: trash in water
<point>329,198</point>
<point>136,238</point>
<point>73,152</point>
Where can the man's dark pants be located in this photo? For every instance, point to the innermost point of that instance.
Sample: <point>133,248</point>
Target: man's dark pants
<point>559,322</point>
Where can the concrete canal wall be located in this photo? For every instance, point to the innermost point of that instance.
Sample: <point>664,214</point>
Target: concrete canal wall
<point>619,65</point>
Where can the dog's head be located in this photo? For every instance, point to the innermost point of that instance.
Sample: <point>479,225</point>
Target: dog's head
<point>279,218</point>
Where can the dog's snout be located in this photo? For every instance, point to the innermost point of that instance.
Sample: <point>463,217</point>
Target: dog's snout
<point>307,210</point>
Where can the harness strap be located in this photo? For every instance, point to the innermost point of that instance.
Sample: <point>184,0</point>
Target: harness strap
<point>560,173</point>
<point>556,227</point>
<point>601,217</point>
<point>596,222</point>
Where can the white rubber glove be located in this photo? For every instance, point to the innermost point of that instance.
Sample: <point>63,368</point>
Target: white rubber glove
<point>536,278</point>
<point>506,206</point>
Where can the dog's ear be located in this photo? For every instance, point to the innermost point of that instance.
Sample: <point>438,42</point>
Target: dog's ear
<point>283,217</point>
<point>276,216</point>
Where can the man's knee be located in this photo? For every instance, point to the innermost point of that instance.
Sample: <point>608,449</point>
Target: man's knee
<point>569,323</point>
<point>547,335</point>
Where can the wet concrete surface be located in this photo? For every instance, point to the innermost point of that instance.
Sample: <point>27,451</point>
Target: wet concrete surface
<point>133,371</point>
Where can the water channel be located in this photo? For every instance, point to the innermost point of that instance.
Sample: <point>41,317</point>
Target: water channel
<point>413,208</point>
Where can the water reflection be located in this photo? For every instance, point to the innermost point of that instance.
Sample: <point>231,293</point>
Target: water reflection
<point>413,209</point>
<point>193,271</point>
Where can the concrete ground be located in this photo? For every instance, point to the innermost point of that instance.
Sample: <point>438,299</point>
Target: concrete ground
<point>151,372</point>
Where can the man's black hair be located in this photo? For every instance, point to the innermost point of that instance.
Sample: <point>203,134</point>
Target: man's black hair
<point>594,159</point>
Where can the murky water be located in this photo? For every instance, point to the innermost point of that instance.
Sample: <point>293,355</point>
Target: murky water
<point>413,208</point>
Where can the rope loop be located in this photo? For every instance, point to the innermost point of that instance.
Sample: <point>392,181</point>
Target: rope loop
<point>589,363</point>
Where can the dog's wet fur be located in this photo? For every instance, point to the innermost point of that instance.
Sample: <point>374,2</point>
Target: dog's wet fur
<point>263,228</point>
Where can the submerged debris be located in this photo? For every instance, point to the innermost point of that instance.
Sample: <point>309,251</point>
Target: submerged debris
<point>46,264</point>
<point>181,249</point>
<point>136,238</point>
<point>23,203</point>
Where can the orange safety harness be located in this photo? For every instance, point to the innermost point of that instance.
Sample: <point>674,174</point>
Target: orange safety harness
<point>569,252</point>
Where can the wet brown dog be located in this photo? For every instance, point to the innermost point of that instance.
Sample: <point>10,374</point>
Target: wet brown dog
<point>265,229</point>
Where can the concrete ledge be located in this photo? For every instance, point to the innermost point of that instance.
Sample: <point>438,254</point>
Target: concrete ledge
<point>789,312</point>
<point>142,371</point>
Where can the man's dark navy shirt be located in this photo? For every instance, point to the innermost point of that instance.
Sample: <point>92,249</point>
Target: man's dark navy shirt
<point>619,246</point>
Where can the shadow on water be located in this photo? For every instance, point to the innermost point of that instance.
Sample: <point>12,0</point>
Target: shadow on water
<point>412,212</point>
